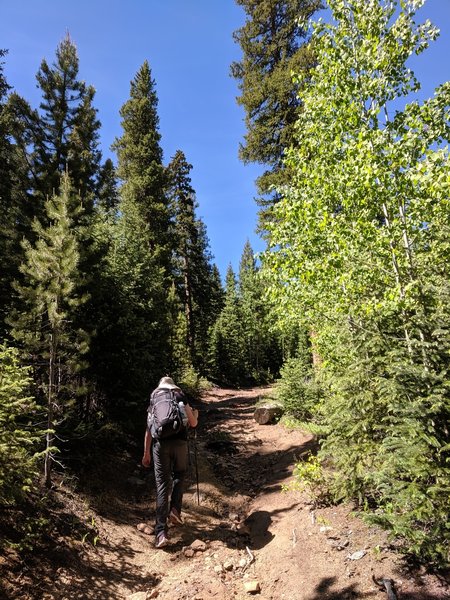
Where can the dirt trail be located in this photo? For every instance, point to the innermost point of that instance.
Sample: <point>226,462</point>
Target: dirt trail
<point>244,531</point>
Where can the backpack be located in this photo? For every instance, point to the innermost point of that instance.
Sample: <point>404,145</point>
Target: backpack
<point>165,417</point>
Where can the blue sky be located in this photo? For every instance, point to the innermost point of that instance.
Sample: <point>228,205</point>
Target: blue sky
<point>189,46</point>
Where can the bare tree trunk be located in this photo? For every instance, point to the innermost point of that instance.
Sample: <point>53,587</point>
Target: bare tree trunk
<point>398,280</point>
<point>50,411</point>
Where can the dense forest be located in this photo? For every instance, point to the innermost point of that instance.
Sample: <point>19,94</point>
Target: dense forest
<point>107,279</point>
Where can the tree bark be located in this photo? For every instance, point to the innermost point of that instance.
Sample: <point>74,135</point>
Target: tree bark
<point>265,415</point>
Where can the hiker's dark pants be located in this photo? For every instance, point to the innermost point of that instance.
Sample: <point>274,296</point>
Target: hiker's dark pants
<point>170,461</point>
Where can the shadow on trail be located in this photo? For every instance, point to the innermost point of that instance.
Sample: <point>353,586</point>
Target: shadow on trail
<point>327,589</point>
<point>97,578</point>
<point>257,534</point>
<point>231,444</point>
<point>70,572</point>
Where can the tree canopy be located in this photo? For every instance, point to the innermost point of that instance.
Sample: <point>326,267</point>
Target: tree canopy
<point>358,254</point>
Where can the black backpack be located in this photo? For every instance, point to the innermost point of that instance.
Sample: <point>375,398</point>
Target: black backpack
<point>164,415</point>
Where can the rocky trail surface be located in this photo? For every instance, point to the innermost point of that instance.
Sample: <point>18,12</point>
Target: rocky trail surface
<point>242,536</point>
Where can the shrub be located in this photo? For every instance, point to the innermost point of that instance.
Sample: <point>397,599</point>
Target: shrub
<point>192,383</point>
<point>297,389</point>
<point>19,432</point>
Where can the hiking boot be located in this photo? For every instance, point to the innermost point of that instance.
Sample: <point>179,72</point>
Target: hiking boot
<point>175,517</point>
<point>161,541</point>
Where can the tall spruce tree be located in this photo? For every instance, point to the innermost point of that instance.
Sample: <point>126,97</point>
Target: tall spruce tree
<point>140,163</point>
<point>182,198</point>
<point>226,355</point>
<point>62,134</point>
<point>108,195</point>
<point>44,327</point>
<point>272,41</point>
<point>262,350</point>
<point>192,259</point>
<point>13,183</point>
<point>132,341</point>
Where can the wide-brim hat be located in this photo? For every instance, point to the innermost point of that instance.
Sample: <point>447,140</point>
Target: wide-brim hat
<point>167,383</point>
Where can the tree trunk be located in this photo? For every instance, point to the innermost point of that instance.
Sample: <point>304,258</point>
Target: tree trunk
<point>49,436</point>
<point>265,415</point>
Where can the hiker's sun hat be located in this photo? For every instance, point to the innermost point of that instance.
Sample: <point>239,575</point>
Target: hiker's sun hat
<point>167,383</point>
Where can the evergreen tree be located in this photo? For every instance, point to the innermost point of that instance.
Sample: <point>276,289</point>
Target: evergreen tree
<point>20,435</point>
<point>273,46</point>
<point>216,293</point>
<point>44,328</point>
<point>182,197</point>
<point>12,193</point>
<point>227,364</point>
<point>63,134</point>
<point>132,345</point>
<point>193,268</point>
<point>108,195</point>
<point>262,351</point>
<point>140,166</point>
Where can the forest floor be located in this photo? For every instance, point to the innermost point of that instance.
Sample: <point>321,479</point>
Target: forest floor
<point>242,536</point>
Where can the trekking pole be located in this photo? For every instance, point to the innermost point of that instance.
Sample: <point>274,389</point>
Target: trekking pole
<point>196,466</point>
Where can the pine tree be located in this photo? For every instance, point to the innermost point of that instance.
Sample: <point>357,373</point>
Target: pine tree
<point>227,364</point>
<point>63,134</point>
<point>108,195</point>
<point>273,46</point>
<point>12,194</point>
<point>140,165</point>
<point>262,352</point>
<point>20,434</point>
<point>181,195</point>
<point>193,269</point>
<point>132,343</point>
<point>44,328</point>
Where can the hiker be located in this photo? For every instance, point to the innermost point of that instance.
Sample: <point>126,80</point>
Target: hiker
<point>168,440</point>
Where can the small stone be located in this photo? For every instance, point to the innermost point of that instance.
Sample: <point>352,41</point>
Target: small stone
<point>138,596</point>
<point>228,565</point>
<point>357,555</point>
<point>325,528</point>
<point>243,563</point>
<point>233,517</point>
<point>218,569</point>
<point>144,528</point>
<point>252,587</point>
<point>189,553</point>
<point>153,594</point>
<point>198,545</point>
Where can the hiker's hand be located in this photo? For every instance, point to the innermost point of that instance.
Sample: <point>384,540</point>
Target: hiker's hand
<point>146,460</point>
